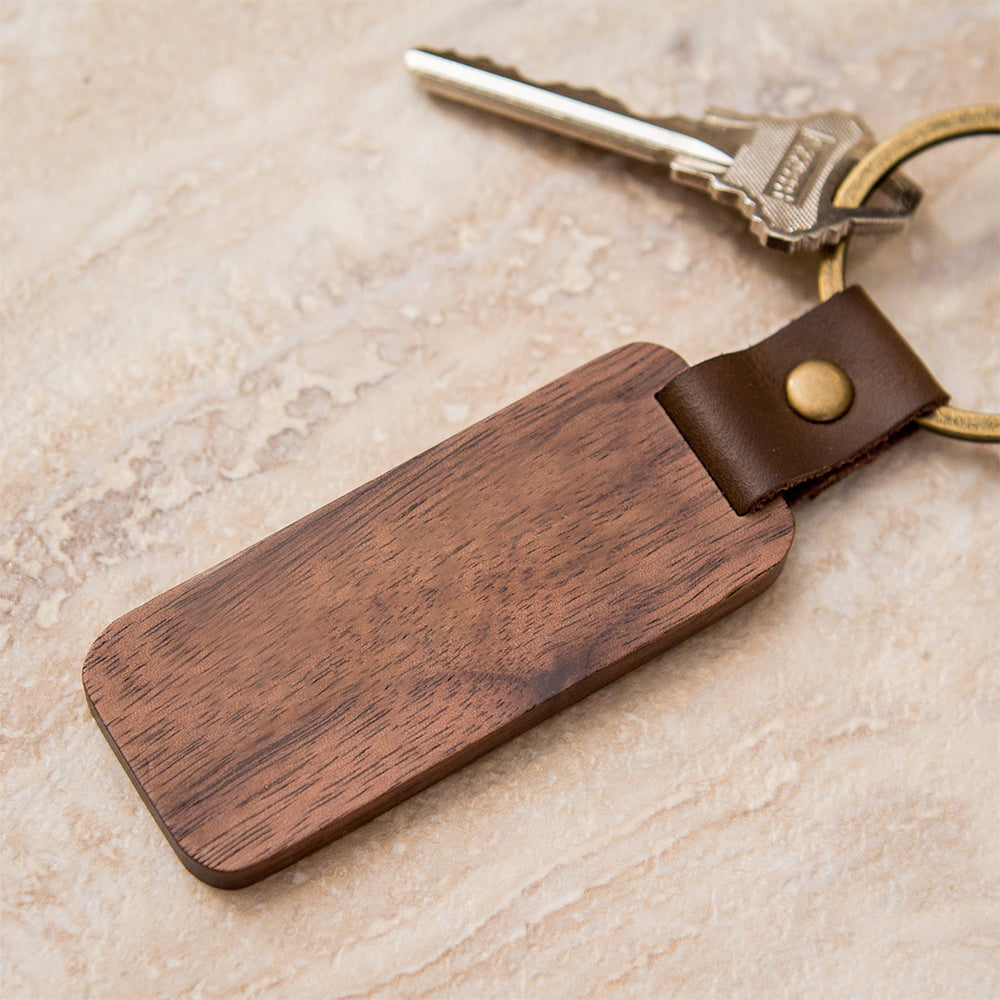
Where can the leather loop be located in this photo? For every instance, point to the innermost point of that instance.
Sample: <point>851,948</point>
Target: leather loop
<point>734,413</point>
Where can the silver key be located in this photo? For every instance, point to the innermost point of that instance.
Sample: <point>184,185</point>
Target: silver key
<point>781,173</point>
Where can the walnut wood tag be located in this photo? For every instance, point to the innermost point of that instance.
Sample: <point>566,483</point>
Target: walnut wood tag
<point>288,695</point>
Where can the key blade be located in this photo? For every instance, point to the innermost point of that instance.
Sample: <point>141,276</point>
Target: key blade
<point>581,114</point>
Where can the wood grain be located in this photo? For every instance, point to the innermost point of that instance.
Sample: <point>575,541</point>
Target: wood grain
<point>288,695</point>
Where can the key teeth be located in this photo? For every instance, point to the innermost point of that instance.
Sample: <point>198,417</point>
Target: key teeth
<point>727,118</point>
<point>484,63</point>
<point>588,95</point>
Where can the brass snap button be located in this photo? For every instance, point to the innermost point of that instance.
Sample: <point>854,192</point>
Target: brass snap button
<point>819,390</point>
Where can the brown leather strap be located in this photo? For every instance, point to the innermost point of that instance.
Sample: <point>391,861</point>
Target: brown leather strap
<point>734,412</point>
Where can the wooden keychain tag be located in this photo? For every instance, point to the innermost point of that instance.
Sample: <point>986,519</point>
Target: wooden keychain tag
<point>281,699</point>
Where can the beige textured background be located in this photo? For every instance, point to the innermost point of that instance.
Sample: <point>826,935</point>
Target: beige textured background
<point>248,266</point>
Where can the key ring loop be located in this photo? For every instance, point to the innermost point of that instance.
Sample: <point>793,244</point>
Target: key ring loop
<point>859,183</point>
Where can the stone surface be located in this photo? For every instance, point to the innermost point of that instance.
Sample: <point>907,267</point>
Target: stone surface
<point>248,266</point>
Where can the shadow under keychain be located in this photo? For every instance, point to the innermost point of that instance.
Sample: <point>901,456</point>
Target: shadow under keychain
<point>326,673</point>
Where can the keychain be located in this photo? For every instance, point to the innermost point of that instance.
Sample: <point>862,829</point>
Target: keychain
<point>297,690</point>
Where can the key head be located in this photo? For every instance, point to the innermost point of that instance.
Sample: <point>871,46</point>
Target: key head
<point>784,176</point>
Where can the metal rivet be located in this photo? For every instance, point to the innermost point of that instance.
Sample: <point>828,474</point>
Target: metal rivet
<point>819,391</point>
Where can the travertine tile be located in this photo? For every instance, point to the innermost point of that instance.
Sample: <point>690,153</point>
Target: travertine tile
<point>248,266</point>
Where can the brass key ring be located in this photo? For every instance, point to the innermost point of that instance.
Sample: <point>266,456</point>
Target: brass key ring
<point>858,184</point>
